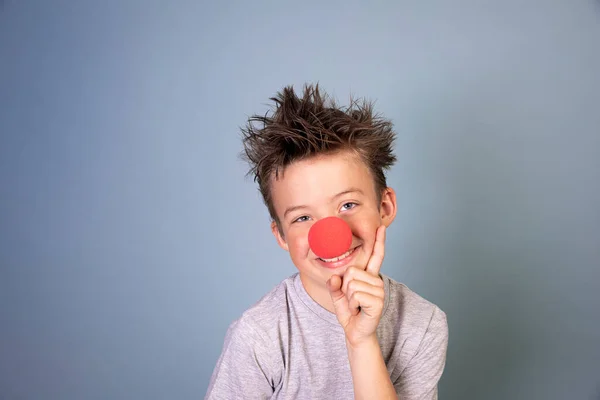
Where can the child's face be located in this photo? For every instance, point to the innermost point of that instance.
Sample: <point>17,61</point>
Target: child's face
<point>333,185</point>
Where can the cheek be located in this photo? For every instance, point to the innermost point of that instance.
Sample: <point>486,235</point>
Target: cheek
<point>364,226</point>
<point>298,243</point>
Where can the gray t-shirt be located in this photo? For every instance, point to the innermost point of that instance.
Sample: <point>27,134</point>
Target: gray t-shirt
<point>287,346</point>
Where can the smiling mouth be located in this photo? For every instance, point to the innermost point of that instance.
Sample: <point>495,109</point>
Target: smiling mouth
<point>331,260</point>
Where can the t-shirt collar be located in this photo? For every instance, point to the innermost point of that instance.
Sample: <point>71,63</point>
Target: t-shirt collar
<point>323,313</point>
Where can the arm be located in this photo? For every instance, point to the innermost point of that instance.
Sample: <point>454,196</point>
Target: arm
<point>369,372</point>
<point>358,299</point>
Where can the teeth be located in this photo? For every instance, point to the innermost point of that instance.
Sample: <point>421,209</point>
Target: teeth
<point>346,254</point>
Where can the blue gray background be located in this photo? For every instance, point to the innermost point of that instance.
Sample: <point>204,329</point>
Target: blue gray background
<point>130,238</point>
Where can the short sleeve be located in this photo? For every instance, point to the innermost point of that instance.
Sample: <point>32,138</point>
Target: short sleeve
<point>244,369</point>
<point>420,378</point>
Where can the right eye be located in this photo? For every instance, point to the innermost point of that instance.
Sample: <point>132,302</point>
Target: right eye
<point>303,218</point>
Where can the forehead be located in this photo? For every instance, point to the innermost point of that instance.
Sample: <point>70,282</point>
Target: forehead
<point>316,179</point>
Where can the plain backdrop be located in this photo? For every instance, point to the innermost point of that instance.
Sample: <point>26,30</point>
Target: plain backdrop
<point>130,238</point>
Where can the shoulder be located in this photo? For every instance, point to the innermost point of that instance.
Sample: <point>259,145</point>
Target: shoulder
<point>411,316</point>
<point>414,308</point>
<point>250,363</point>
<point>265,318</point>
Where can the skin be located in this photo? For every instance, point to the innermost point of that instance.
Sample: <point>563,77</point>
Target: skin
<point>341,185</point>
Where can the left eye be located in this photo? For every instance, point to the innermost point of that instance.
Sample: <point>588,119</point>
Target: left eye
<point>348,206</point>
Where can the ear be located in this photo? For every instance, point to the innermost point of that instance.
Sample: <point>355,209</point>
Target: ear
<point>280,240</point>
<point>388,206</point>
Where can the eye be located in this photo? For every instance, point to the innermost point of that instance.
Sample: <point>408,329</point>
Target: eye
<point>348,206</point>
<point>303,218</point>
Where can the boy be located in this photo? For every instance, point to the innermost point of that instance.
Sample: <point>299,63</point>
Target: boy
<point>338,329</point>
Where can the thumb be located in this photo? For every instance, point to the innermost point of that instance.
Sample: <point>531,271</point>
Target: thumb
<point>340,304</point>
<point>334,285</point>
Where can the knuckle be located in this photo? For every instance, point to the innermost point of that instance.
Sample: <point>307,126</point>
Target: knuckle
<point>354,296</point>
<point>350,272</point>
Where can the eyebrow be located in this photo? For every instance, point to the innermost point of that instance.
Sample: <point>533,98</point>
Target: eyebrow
<point>300,207</point>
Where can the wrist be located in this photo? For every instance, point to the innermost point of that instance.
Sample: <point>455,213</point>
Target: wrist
<point>364,344</point>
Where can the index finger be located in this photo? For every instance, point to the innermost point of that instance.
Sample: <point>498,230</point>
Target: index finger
<point>376,259</point>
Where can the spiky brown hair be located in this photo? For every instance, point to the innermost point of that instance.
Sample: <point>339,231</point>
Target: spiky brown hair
<point>299,128</point>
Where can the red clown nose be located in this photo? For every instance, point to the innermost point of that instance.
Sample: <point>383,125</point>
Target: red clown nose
<point>330,237</point>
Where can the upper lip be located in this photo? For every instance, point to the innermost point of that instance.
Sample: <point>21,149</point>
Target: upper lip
<point>351,248</point>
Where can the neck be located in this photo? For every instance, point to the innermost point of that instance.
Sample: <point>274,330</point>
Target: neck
<point>318,292</point>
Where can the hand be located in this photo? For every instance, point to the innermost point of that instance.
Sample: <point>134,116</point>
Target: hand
<point>358,296</point>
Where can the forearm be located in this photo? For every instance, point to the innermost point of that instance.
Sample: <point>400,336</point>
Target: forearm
<point>369,374</point>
